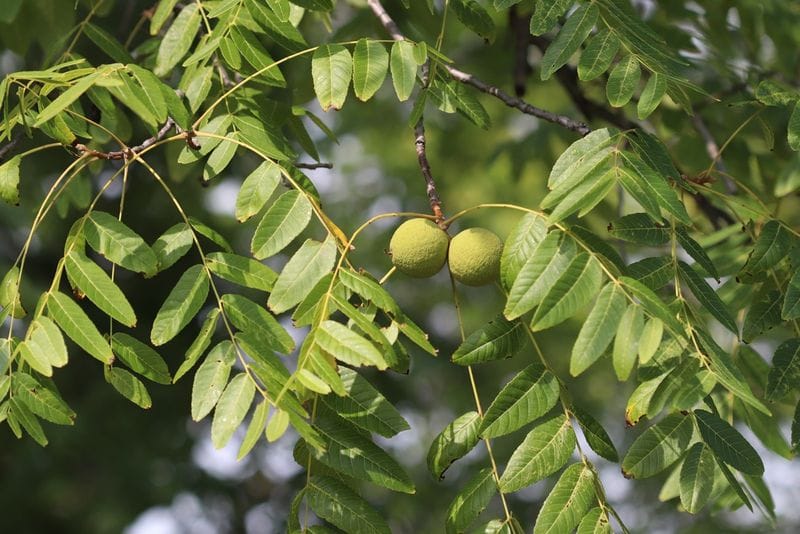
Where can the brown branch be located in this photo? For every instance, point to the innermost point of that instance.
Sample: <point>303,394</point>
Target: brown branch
<point>520,32</point>
<point>713,152</point>
<point>321,165</point>
<point>425,167</point>
<point>480,85</point>
<point>128,152</point>
<point>8,147</point>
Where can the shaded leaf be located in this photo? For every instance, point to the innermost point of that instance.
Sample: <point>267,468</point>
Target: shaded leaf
<point>626,342</point>
<point>178,39</point>
<point>283,221</point>
<point>546,14</point>
<point>172,245</point>
<point>470,501</point>
<point>331,69</point>
<point>9,181</point>
<point>568,501</point>
<point>598,329</point>
<point>370,62</point>
<point>569,39</point>
<point>658,447</point>
<point>231,409</point>
<point>595,435</point>
<point>404,69</point>
<point>336,503</point>
<point>308,265</point>
<point>652,94</point>
<point>140,358</point>
<point>623,81</point>
<point>696,478</point>
<point>211,378</point>
<point>640,229</point>
<point>728,444</point>
<point>453,442</point>
<point>496,340</point>
<point>576,286</point>
<point>256,189</point>
<point>128,386</point>
<point>772,245</point>
<point>253,319</point>
<point>785,372</point>
<point>596,58</point>
<point>707,297</point>
<point>41,400</point>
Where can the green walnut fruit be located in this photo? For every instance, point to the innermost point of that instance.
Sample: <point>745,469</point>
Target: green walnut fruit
<point>419,248</point>
<point>474,256</point>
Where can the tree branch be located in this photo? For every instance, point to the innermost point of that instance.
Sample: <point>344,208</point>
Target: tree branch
<point>713,152</point>
<point>320,165</point>
<point>468,79</point>
<point>127,152</point>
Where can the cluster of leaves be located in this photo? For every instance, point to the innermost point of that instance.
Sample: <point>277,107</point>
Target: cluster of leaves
<point>231,96</point>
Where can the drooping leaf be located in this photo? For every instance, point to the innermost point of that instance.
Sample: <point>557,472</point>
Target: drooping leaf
<point>497,339</point>
<point>9,293</point>
<point>41,400</point>
<point>308,265</point>
<point>793,131</point>
<point>256,189</point>
<point>640,229</point>
<point>470,501</point>
<point>791,302</point>
<point>568,501</point>
<point>696,251</point>
<point>118,243</point>
<point>331,70</point>
<point>107,43</point>
<point>253,319</point>
<point>199,345</point>
<point>140,358</point>
<point>9,181</point>
<point>283,221</point>
<point>231,409</point>
<point>403,68</point>
<point>19,413</point>
<point>172,245</point>
<point>772,245</point>
<point>658,447</point>
<point>653,305</point>
<point>93,282</point>
<point>370,62</point>
<point>576,286</point>
<point>45,338</point>
<point>707,297</point>
<point>519,245</point>
<point>128,386</point>
<point>626,342</point>
<point>369,289</point>
<point>257,56</point>
<point>728,444</point>
<point>623,81</point>
<point>545,449</point>
<point>546,14</point>
<point>211,378</point>
<point>78,327</point>
<point>475,17</point>
<point>241,270</point>
<point>335,502</point>
<point>652,94</point>
<point>599,328</point>
<point>178,39</point>
<point>569,39</point>
<point>598,55</point>
<point>527,396</point>
<point>277,425</point>
<point>255,429</point>
<point>364,406</point>
<point>453,442</point>
<point>594,522</point>
<point>347,346</point>
<point>657,186</point>
<point>181,305</point>
<point>352,453</point>
<point>696,478</point>
<point>764,313</point>
<point>785,372</point>
<point>595,435</point>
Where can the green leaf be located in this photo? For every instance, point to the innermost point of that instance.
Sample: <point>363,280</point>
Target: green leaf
<point>404,69</point>
<point>599,328</point>
<point>652,94</point>
<point>255,429</point>
<point>181,305</point>
<point>178,39</point>
<point>474,16</point>
<point>771,93</point>
<point>772,245</point>
<point>253,319</point>
<point>582,156</point>
<point>78,327</point>
<point>598,55</point>
<point>9,293</point>
<point>469,106</point>
<point>727,373</point>
<point>796,429</point>
<point>728,444</point>
<point>568,502</point>
<point>9,181</point>
<point>331,69</point>
<point>350,452</point>
<point>172,245</point>
<point>576,286</point>
<point>416,335</point>
<point>256,190</point>
<point>707,297</point>
<point>594,522</point>
<point>118,243</point>
<point>310,263</point>
<point>370,290</point>
<point>277,425</point>
<point>161,14</point>
<point>585,196</point>
<point>496,340</point>
<point>793,133</point>
<point>650,339</point>
<point>623,81</point>
<point>220,157</point>
<point>696,251</point>
<point>41,400</point>
<point>206,231</point>
<point>658,186</point>
<point>546,14</point>
<point>519,245</point>
<point>569,39</point>
<point>46,338</point>
<point>66,98</point>
<point>453,442</point>
<point>642,194</point>
<point>257,56</point>
<point>640,229</point>
<point>241,270</point>
<point>364,406</point>
<point>471,500</point>
<point>526,397</point>
<point>336,503</point>
<point>199,345</point>
<point>785,372</point>
<point>658,447</point>
<point>764,313</point>
<point>653,305</point>
<point>140,358</point>
<point>149,89</point>
<point>539,273</point>
<point>93,282</point>
<point>284,220</point>
<point>22,415</point>
<point>791,303</point>
<point>696,478</point>
<point>545,449</point>
<point>370,62</point>
<point>595,435</point>
<point>107,43</point>
<point>347,346</point>
<point>231,409</point>
<point>128,386</point>
<point>273,17</point>
<point>626,342</point>
<point>654,273</point>
<point>211,378</point>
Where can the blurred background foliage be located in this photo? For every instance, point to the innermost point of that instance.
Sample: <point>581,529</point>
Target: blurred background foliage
<point>155,471</point>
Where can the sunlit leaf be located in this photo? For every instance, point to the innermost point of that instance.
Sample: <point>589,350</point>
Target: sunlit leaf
<point>211,378</point>
<point>341,506</point>
<point>93,282</point>
<point>331,70</point>
<point>178,39</point>
<point>497,339</point>
<point>568,501</point>
<point>140,358</point>
<point>283,221</point>
<point>728,444</point>
<point>576,286</point>
<point>370,61</point>
<point>231,409</point>
<point>308,265</point>
<point>78,327</point>
<point>569,39</point>
<point>658,447</point>
<point>453,442</point>
<point>181,305</point>
<point>598,329</point>
<point>128,386</point>
<point>696,478</point>
<point>119,244</point>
